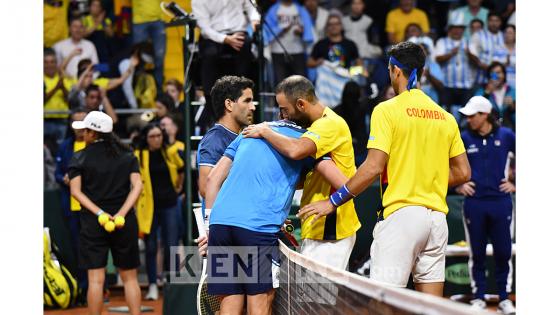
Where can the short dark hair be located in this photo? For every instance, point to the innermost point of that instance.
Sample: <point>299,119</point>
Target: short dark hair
<point>227,87</point>
<point>166,100</point>
<point>82,65</point>
<point>508,26</point>
<point>476,20</point>
<point>49,52</point>
<point>409,55</point>
<point>493,65</point>
<point>91,88</point>
<point>494,13</point>
<point>73,19</point>
<point>297,86</point>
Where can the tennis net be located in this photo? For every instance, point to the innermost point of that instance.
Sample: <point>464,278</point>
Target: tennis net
<point>308,286</point>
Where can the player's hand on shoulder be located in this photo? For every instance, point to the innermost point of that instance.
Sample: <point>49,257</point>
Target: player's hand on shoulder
<point>317,208</point>
<point>466,189</point>
<point>202,242</point>
<point>255,131</point>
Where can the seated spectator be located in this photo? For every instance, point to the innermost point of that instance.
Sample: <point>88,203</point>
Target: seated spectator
<point>414,30</point>
<point>319,16</point>
<point>55,21</point>
<point>86,67</point>
<point>451,54</point>
<point>357,26</point>
<point>399,18</point>
<point>431,82</point>
<point>500,94</point>
<point>56,89</point>
<point>509,40</point>
<point>335,47</point>
<point>169,124</point>
<point>473,10</point>
<point>174,88</point>
<point>486,46</point>
<point>475,26</point>
<point>290,28</point>
<point>92,97</point>
<point>164,106</point>
<point>75,48</point>
<point>99,29</point>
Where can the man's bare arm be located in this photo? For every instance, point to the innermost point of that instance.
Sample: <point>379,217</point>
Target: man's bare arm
<point>459,170</point>
<point>215,180</point>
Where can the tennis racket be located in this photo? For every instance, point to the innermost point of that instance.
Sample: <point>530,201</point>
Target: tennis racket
<point>206,304</point>
<point>288,230</point>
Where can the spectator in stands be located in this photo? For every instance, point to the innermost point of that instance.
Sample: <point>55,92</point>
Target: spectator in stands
<point>473,10</point>
<point>169,124</point>
<point>399,18</point>
<point>174,88</point>
<point>148,25</point>
<point>55,21</point>
<point>71,50</point>
<point>92,98</point>
<point>319,15</point>
<point>86,67</point>
<point>224,46</point>
<point>353,109</point>
<point>290,26</point>
<point>56,90</point>
<point>509,41</point>
<point>164,106</point>
<point>140,90</point>
<point>487,209</point>
<point>451,54</point>
<point>500,94</point>
<point>357,28</point>
<point>412,30</point>
<point>335,47</point>
<point>99,29</point>
<point>70,206</point>
<point>486,46</point>
<point>431,82</point>
<point>475,26</point>
<point>161,169</point>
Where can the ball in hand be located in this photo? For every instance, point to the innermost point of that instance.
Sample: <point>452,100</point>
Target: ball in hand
<point>119,221</point>
<point>109,226</point>
<point>103,219</point>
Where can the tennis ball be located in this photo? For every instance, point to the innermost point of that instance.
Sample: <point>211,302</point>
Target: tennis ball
<point>109,226</point>
<point>103,219</point>
<point>119,221</point>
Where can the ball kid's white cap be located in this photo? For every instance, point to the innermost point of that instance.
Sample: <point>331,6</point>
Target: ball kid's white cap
<point>95,120</point>
<point>477,104</point>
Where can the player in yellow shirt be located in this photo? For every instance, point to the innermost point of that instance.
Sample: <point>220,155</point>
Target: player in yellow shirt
<point>329,239</point>
<point>417,147</point>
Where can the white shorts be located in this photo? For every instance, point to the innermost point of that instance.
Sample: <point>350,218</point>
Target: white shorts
<point>334,253</point>
<point>412,239</point>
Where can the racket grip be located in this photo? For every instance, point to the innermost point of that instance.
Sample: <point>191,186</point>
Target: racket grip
<point>199,222</point>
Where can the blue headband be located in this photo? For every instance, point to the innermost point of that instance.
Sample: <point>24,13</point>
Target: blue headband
<point>412,80</point>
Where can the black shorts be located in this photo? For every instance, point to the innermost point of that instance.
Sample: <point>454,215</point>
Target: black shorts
<point>241,261</point>
<point>95,243</point>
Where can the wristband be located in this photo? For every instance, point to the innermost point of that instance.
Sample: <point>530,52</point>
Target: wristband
<point>341,196</point>
<point>100,212</point>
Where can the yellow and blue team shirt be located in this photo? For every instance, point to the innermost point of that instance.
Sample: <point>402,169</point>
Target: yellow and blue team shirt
<point>331,135</point>
<point>419,137</point>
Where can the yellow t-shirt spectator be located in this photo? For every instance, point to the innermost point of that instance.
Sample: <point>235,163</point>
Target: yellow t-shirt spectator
<point>89,22</point>
<point>57,101</point>
<point>55,21</point>
<point>397,21</point>
<point>144,11</point>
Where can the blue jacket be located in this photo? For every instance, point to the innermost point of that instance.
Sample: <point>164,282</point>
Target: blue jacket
<point>63,157</point>
<point>488,158</point>
<point>273,27</point>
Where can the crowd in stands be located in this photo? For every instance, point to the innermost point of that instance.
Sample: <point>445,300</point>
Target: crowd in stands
<point>107,55</point>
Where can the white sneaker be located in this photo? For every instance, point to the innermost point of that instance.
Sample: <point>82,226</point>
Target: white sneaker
<point>478,304</point>
<point>506,307</point>
<point>152,292</point>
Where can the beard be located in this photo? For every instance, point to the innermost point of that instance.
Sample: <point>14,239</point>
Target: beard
<point>301,120</point>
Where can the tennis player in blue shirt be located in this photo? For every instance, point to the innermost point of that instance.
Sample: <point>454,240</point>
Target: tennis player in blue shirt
<point>250,192</point>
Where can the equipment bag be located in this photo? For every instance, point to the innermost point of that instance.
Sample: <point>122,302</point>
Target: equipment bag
<point>60,287</point>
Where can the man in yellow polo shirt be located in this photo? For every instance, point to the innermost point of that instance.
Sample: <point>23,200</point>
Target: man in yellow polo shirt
<point>332,238</point>
<point>417,148</point>
<point>399,18</point>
